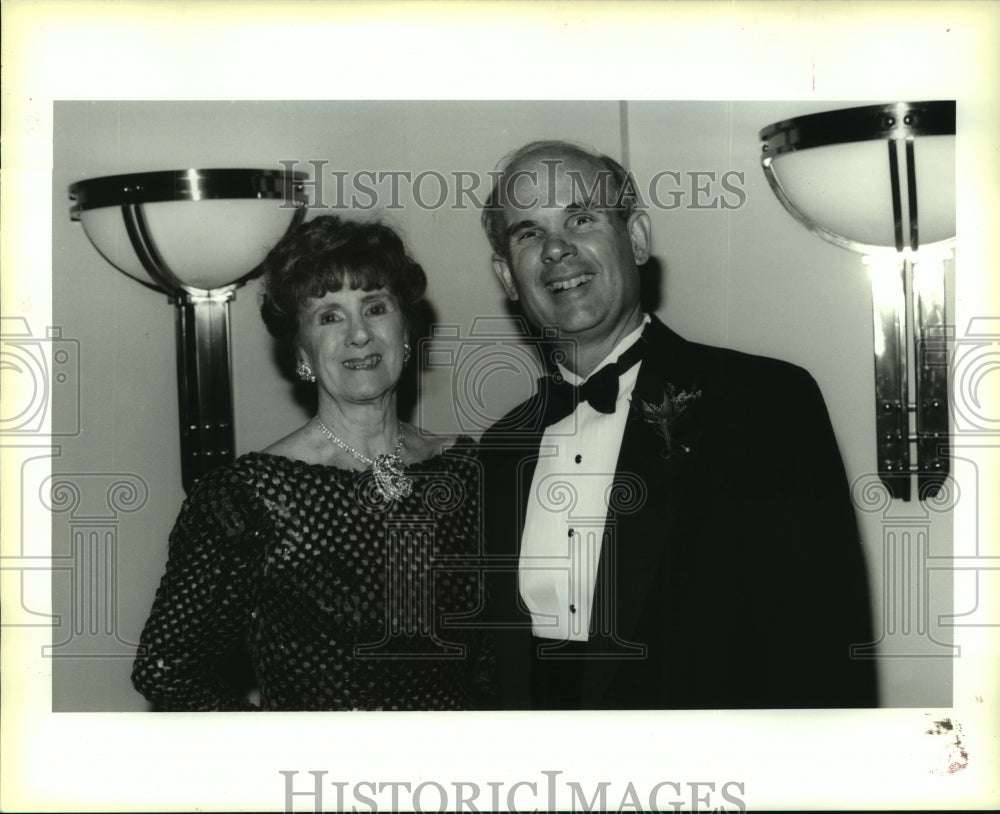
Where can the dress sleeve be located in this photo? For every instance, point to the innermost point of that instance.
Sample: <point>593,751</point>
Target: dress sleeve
<point>196,630</point>
<point>484,663</point>
<point>486,692</point>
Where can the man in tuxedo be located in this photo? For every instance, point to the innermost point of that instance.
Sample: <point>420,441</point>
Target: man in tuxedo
<point>669,524</point>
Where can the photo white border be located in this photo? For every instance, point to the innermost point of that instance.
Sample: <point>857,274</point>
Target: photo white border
<point>320,50</point>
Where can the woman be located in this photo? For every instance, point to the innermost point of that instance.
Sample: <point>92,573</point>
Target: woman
<point>315,555</point>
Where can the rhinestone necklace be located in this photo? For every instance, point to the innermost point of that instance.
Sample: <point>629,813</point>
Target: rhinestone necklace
<point>391,482</point>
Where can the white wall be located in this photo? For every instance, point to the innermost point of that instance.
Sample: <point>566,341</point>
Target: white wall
<point>753,279</point>
<point>748,278</point>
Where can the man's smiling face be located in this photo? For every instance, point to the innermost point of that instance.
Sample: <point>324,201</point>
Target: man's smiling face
<point>571,262</point>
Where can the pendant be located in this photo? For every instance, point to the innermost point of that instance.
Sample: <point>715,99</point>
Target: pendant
<point>390,479</point>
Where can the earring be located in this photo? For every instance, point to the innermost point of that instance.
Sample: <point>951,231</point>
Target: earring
<point>406,352</point>
<point>305,372</point>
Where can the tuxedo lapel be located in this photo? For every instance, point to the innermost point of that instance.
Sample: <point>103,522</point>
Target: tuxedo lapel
<point>510,452</point>
<point>647,495</point>
<point>511,449</point>
<point>651,479</point>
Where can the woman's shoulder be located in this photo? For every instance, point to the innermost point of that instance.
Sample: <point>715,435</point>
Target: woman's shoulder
<point>253,472</point>
<point>297,445</point>
<point>233,480</point>
<point>225,499</point>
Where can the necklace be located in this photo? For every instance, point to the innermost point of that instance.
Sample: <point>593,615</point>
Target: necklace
<point>390,480</point>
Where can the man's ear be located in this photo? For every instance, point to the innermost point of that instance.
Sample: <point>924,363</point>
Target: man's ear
<point>639,233</point>
<point>502,270</point>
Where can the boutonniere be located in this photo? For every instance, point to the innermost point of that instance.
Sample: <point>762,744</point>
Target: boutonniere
<point>668,416</point>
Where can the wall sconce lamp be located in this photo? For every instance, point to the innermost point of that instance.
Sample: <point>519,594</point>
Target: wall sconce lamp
<point>196,236</point>
<point>880,180</point>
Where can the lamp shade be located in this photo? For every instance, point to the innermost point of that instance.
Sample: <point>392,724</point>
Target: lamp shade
<point>196,235</point>
<point>875,179</point>
<point>188,230</point>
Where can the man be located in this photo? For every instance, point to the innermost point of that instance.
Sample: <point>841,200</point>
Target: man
<point>685,539</point>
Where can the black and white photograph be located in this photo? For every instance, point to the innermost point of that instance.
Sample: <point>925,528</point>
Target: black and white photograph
<point>754,543</point>
<point>458,430</point>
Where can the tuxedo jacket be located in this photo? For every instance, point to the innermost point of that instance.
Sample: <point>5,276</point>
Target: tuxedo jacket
<point>731,572</point>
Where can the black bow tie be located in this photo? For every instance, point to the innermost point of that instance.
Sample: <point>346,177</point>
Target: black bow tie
<point>600,391</point>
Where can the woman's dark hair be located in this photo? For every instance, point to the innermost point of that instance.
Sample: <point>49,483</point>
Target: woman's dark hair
<point>327,253</point>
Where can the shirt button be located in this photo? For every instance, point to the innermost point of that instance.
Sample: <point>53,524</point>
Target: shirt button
<point>578,459</point>
<point>570,532</point>
<point>572,608</point>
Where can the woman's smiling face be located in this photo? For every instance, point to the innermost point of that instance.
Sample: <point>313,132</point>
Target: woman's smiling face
<point>353,341</point>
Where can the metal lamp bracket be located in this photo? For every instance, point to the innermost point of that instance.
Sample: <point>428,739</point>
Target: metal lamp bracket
<point>907,284</point>
<point>901,423</point>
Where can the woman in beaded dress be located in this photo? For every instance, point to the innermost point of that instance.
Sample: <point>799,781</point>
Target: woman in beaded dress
<point>340,562</point>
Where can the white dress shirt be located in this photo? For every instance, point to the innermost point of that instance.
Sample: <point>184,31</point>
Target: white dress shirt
<point>568,506</point>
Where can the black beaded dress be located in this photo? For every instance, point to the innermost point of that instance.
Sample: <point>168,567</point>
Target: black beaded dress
<point>337,598</point>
